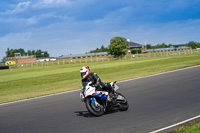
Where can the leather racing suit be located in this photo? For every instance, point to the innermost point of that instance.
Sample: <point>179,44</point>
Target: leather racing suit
<point>96,81</point>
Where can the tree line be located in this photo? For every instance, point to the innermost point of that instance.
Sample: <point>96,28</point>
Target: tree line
<point>119,46</point>
<point>38,53</point>
<point>191,44</point>
<point>97,50</point>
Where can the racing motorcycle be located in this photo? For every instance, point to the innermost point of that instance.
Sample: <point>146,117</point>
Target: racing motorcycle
<point>99,102</point>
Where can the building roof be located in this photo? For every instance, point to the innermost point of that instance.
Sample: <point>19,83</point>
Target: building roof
<point>133,44</point>
<point>172,48</point>
<point>83,55</point>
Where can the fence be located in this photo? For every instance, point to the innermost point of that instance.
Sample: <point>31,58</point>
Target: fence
<point>109,58</point>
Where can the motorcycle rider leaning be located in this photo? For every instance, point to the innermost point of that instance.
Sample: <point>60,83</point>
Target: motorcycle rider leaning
<point>96,82</point>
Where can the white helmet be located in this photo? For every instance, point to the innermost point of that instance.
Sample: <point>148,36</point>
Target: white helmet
<point>85,71</point>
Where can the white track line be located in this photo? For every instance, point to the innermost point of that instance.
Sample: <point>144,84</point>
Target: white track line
<point>177,124</point>
<point>79,89</point>
<point>159,73</point>
<point>38,97</point>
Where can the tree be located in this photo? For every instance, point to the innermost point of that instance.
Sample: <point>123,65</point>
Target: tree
<point>33,52</point>
<point>8,52</point>
<point>11,52</point>
<point>46,54</point>
<point>163,45</point>
<point>118,46</point>
<point>22,51</point>
<point>170,45</point>
<point>102,49</point>
<point>193,44</point>
<point>38,53</point>
<point>29,52</point>
<point>148,46</point>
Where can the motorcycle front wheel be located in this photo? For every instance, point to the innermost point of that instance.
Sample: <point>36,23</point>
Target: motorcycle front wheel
<point>95,110</point>
<point>123,102</point>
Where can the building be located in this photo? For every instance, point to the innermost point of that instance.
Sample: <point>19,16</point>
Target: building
<point>20,58</point>
<point>168,49</point>
<point>83,55</point>
<point>135,47</point>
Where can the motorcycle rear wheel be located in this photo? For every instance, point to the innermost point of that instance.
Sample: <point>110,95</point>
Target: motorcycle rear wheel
<point>96,111</point>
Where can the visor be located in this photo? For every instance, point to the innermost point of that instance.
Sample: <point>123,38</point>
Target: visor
<point>82,74</point>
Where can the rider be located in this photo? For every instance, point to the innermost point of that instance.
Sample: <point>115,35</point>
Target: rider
<point>96,81</point>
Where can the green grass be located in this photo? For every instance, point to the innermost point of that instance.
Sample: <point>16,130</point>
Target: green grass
<point>23,83</point>
<point>188,129</point>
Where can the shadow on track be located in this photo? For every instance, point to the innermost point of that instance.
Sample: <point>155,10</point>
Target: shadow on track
<point>89,115</point>
<point>84,114</point>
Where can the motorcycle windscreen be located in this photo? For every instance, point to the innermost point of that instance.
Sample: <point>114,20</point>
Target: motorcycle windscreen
<point>115,87</point>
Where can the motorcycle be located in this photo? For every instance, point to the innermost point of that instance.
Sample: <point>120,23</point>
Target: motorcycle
<point>99,102</point>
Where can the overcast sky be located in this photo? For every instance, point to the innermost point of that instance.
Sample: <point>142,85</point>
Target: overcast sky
<point>64,27</point>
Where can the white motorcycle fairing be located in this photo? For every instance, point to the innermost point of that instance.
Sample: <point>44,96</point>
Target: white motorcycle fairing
<point>89,91</point>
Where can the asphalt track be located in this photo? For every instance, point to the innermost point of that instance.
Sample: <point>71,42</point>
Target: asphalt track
<point>155,102</point>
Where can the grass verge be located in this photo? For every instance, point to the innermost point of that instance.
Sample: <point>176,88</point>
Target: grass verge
<point>189,127</point>
<point>23,83</point>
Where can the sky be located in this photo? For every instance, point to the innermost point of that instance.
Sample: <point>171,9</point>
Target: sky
<point>64,27</point>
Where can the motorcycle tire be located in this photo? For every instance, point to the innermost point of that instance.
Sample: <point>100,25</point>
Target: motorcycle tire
<point>123,104</point>
<point>96,111</point>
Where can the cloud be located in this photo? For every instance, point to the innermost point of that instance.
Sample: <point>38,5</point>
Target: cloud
<point>21,7</point>
<point>68,24</point>
<point>55,1</point>
<point>52,3</point>
<point>14,24</point>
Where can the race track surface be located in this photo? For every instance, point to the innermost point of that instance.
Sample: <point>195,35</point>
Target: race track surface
<point>155,102</point>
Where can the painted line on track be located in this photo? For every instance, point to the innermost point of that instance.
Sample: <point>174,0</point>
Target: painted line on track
<point>79,89</point>
<point>177,124</point>
<point>39,97</point>
<point>159,74</point>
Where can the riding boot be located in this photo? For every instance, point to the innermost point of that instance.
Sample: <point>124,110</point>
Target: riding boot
<point>113,100</point>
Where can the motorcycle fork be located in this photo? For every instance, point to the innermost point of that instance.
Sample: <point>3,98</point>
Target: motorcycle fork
<point>94,101</point>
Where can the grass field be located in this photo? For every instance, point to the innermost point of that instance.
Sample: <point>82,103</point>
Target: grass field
<point>190,127</point>
<point>29,82</point>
